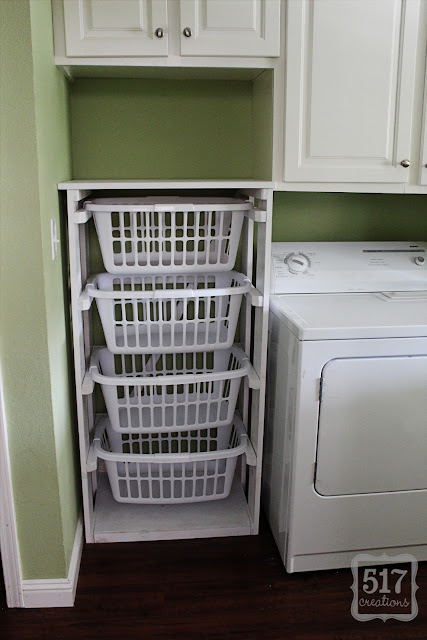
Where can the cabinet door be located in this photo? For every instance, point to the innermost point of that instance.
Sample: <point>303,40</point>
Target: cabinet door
<point>115,27</point>
<point>230,27</point>
<point>349,89</point>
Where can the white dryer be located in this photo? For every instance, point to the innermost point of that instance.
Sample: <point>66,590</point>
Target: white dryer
<point>345,462</point>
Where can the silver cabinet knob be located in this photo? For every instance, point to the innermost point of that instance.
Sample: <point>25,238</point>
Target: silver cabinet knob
<point>159,32</point>
<point>419,261</point>
<point>406,163</point>
<point>187,32</point>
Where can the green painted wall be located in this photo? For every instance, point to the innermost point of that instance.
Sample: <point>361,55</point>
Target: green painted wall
<point>348,216</point>
<point>169,129</point>
<point>161,129</point>
<point>262,125</point>
<point>52,109</point>
<point>34,156</point>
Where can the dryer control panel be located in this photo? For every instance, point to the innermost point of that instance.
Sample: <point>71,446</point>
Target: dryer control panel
<point>339,267</point>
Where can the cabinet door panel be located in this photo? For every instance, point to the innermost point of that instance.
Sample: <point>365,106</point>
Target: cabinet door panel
<point>349,92</point>
<point>230,27</point>
<point>115,27</point>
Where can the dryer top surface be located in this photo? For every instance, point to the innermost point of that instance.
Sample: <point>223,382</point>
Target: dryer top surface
<point>350,290</point>
<point>348,316</point>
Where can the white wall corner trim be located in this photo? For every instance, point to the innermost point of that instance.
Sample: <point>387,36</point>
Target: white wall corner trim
<point>59,592</point>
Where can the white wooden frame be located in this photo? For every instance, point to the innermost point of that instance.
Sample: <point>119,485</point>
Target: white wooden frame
<point>106,520</point>
<point>259,358</point>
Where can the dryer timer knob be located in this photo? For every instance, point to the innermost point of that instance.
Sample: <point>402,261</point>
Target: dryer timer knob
<point>297,263</point>
<point>420,260</point>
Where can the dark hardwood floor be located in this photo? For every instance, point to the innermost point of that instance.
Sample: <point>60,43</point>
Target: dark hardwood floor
<point>205,589</point>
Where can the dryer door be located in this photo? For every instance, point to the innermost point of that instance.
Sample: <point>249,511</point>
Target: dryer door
<point>372,434</point>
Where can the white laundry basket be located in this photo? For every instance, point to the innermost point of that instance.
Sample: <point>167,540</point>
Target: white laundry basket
<point>170,392</point>
<point>194,466</point>
<point>168,313</point>
<point>168,234</point>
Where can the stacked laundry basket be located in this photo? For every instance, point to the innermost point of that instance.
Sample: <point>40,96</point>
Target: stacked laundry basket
<point>170,373</point>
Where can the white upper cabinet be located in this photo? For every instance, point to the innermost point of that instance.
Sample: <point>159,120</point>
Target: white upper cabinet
<point>115,29</point>
<point>112,28</point>
<point>350,75</point>
<point>230,27</point>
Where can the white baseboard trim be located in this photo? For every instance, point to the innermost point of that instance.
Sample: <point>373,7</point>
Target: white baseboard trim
<point>59,592</point>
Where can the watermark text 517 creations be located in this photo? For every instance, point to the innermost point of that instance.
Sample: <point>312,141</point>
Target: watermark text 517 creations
<point>384,587</point>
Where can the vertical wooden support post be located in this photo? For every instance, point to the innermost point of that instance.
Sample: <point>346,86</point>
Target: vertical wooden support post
<point>259,360</point>
<point>247,251</point>
<point>81,342</point>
